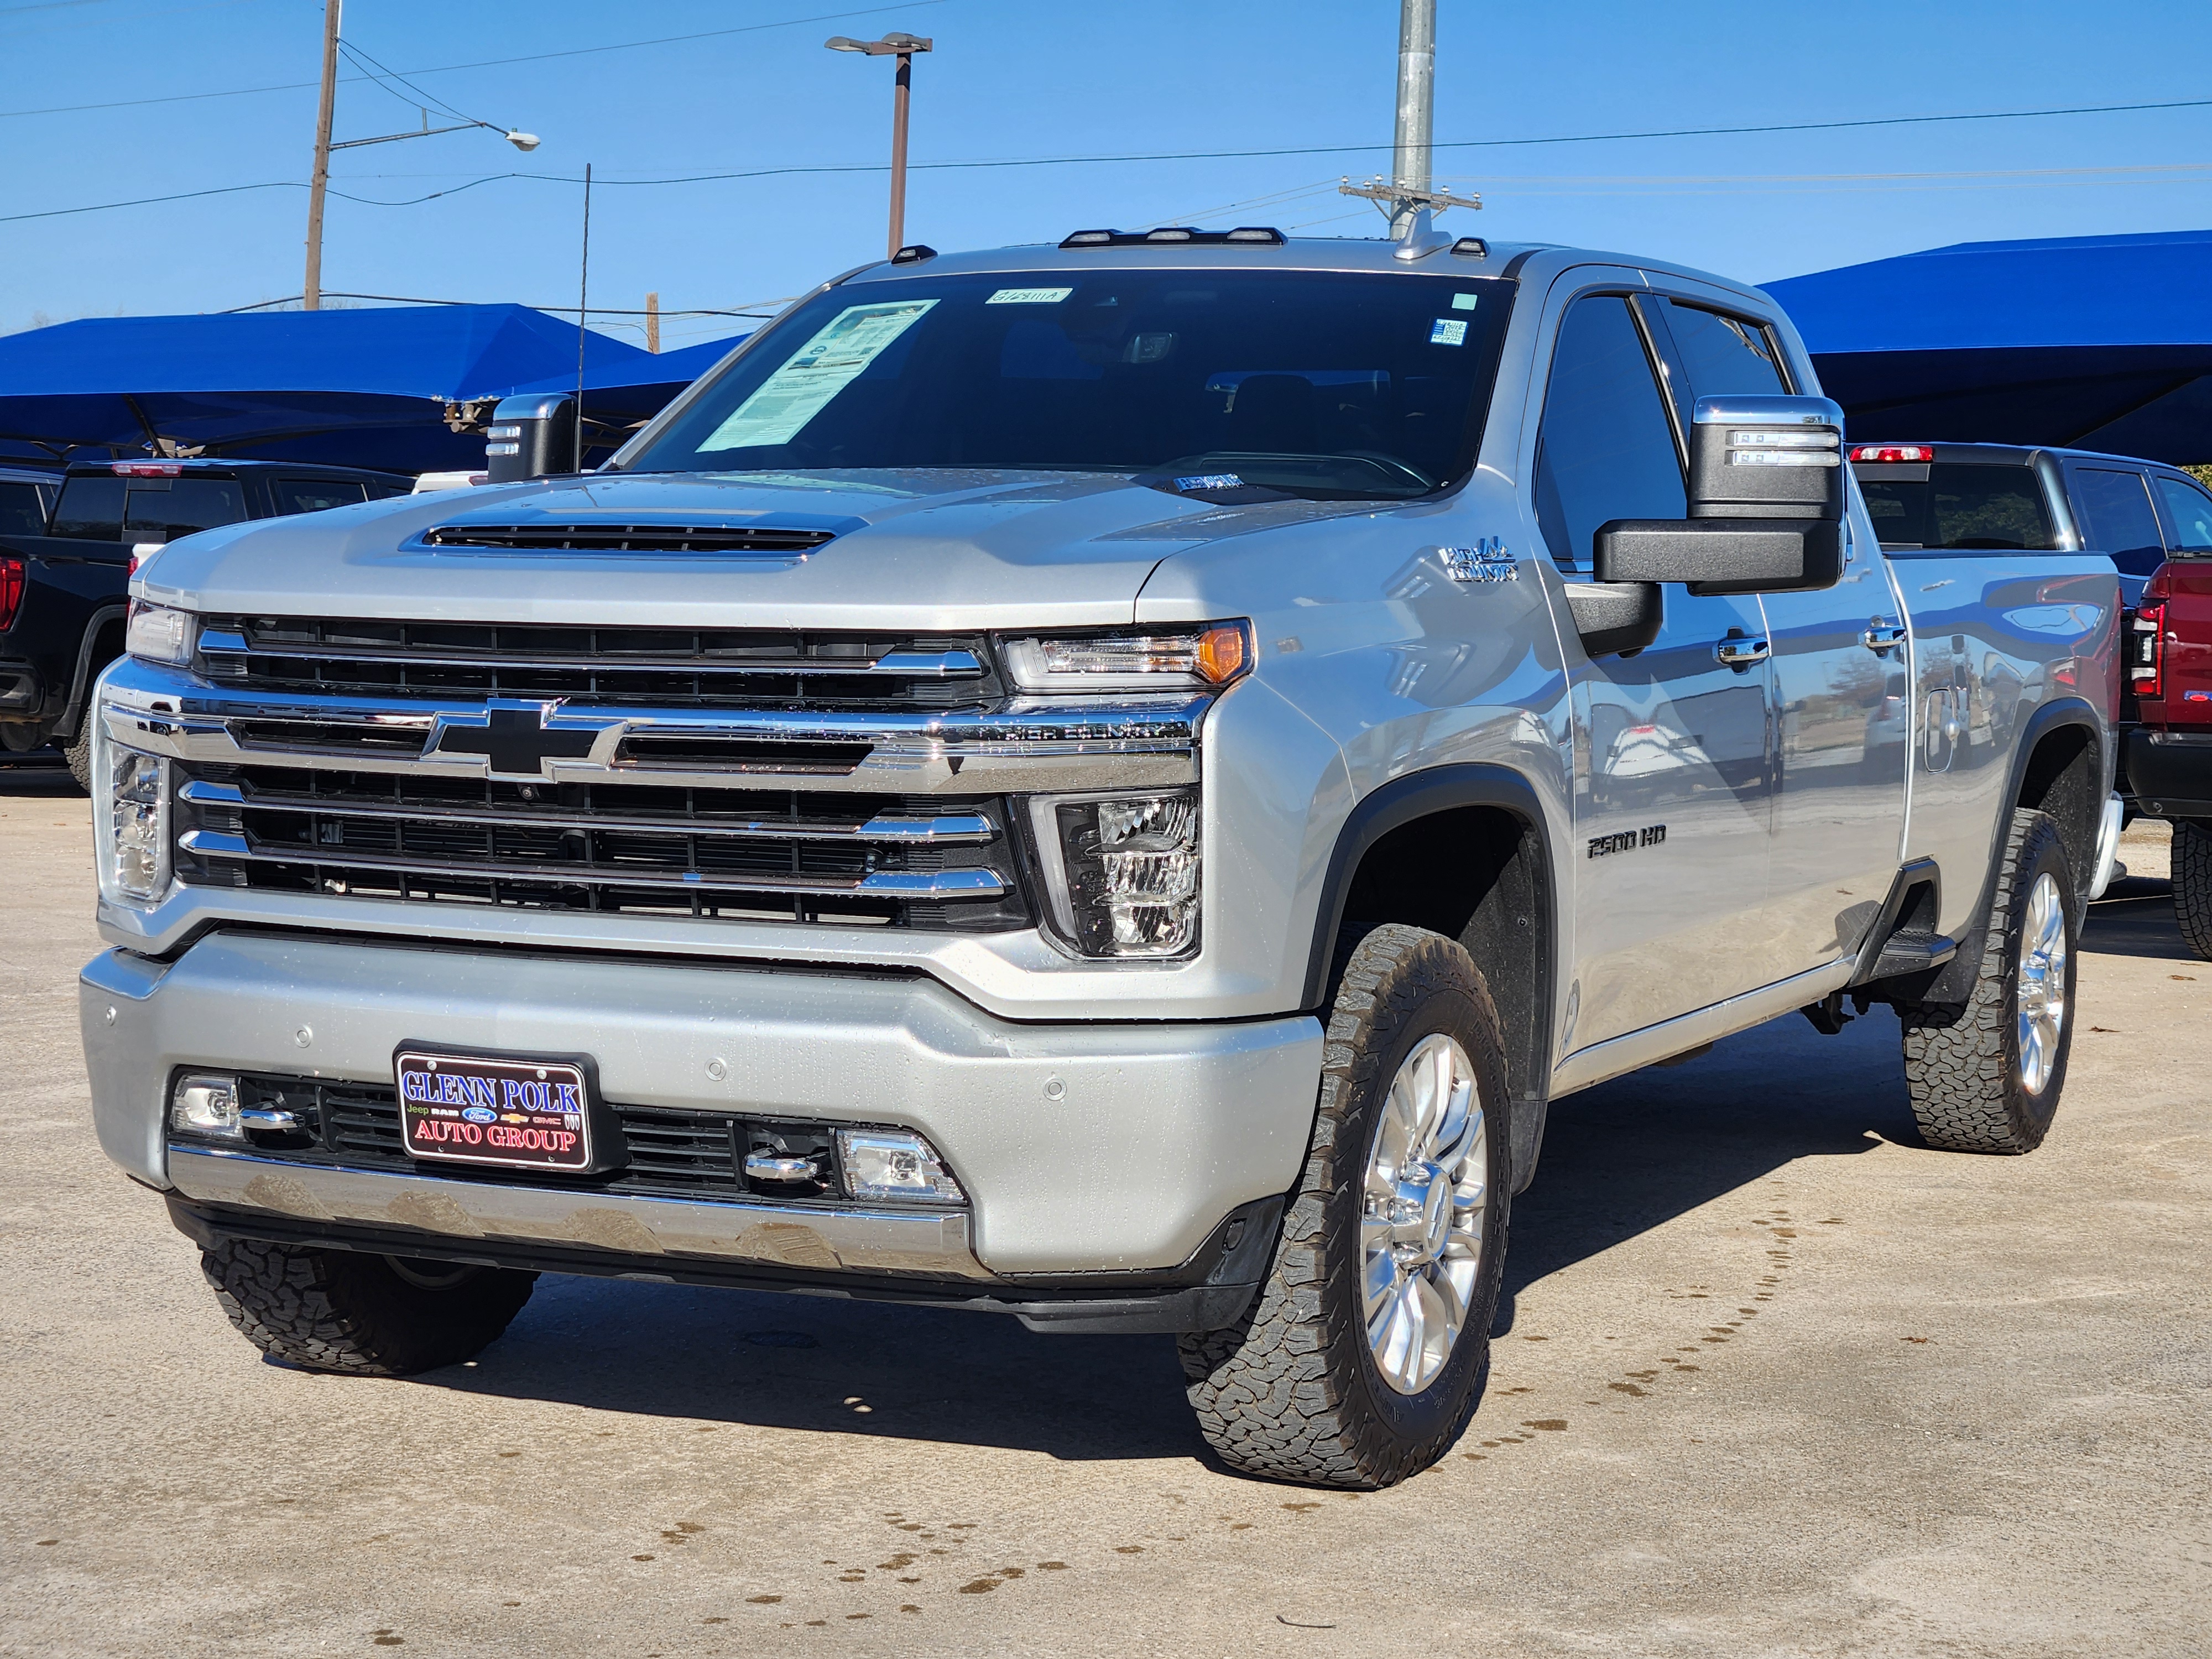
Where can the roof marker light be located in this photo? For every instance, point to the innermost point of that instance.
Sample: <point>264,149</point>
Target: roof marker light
<point>1170,234</point>
<point>1891,452</point>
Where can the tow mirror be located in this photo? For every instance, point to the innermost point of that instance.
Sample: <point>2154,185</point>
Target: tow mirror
<point>530,437</point>
<point>1766,504</point>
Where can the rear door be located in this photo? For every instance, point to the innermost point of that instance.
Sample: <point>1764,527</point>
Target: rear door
<point>2188,656</point>
<point>1672,760</point>
<point>2112,505</point>
<point>1842,692</point>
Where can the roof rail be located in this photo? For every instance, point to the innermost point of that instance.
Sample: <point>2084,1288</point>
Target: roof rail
<point>1256,235</point>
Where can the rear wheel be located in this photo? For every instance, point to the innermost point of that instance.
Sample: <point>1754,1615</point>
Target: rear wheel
<point>363,1315</point>
<point>1986,1078</point>
<point>1365,1351</point>
<point>2192,885</point>
<point>78,753</point>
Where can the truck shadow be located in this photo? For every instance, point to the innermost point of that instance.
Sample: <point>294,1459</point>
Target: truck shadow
<point>1619,1160</point>
<point>2135,918</point>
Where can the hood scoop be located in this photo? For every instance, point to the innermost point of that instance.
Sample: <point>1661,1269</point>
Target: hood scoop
<point>658,540</point>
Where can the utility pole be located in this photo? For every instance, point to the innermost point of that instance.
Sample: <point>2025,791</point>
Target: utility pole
<point>1409,196</point>
<point>1417,86</point>
<point>903,47</point>
<point>653,323</point>
<point>310,294</point>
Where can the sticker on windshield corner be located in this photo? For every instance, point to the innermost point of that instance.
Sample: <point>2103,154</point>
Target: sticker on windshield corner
<point>1466,302</point>
<point>1029,296</point>
<point>1449,330</point>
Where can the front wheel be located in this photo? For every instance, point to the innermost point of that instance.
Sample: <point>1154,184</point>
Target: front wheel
<point>1986,1078</point>
<point>361,1315</point>
<point>1365,1351</point>
<point>2192,885</point>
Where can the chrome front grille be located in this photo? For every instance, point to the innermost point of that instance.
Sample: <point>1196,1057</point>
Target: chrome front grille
<point>614,666</point>
<point>637,847</point>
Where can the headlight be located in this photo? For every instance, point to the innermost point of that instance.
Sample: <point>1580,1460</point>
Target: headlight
<point>1162,660</point>
<point>157,634</point>
<point>130,820</point>
<point>1122,872</point>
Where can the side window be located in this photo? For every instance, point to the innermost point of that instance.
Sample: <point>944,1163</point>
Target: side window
<point>313,494</point>
<point>1724,355</point>
<point>21,511</point>
<point>1604,450</point>
<point>90,509</point>
<point>2116,510</point>
<point>2190,509</point>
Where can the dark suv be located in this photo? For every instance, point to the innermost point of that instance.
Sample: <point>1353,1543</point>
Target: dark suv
<point>64,567</point>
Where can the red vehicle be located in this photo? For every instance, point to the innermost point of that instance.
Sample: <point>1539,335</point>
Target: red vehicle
<point>2169,754</point>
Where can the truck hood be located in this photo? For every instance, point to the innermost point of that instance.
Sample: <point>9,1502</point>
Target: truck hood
<point>921,550</point>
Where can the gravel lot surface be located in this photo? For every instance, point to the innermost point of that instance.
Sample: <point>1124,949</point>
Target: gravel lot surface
<point>1773,1380</point>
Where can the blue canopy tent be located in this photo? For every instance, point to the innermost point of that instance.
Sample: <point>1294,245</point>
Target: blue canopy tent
<point>621,395</point>
<point>2093,342</point>
<point>390,387</point>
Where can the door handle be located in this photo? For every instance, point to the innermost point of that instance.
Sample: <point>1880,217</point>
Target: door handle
<point>1883,637</point>
<point>1741,651</point>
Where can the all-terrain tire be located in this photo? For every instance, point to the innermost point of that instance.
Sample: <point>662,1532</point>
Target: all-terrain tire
<point>1962,1064</point>
<point>1292,1392</point>
<point>361,1315</point>
<point>78,754</point>
<point>2192,885</point>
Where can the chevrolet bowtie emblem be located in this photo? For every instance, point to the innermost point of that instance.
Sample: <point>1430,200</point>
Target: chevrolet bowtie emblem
<point>514,738</point>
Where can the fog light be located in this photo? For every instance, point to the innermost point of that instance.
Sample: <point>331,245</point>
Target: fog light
<point>206,1106</point>
<point>882,1163</point>
<point>1125,882</point>
<point>132,819</point>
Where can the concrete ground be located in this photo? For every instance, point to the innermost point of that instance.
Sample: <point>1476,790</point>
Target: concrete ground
<point>1773,1380</point>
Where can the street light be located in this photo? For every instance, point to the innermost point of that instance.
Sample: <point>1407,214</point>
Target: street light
<point>902,47</point>
<point>311,297</point>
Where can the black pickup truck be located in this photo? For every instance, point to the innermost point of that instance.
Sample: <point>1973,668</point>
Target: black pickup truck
<point>62,581</point>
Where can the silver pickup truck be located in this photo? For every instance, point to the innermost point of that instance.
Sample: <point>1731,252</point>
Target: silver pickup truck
<point>1110,783</point>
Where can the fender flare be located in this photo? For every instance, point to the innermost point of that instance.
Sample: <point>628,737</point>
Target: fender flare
<point>1953,982</point>
<point>72,721</point>
<point>1392,806</point>
<point>1422,794</point>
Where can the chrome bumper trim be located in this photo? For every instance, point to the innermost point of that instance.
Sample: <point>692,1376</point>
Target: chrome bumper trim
<point>935,1243</point>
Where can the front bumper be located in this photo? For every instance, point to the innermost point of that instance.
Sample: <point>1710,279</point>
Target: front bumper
<point>1098,1149</point>
<point>2169,774</point>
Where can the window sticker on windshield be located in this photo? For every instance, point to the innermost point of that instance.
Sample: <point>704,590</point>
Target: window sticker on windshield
<point>1029,296</point>
<point>802,388</point>
<point>1465,302</point>
<point>1449,330</point>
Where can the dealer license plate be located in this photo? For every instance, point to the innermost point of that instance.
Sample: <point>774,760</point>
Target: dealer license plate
<point>518,1114</point>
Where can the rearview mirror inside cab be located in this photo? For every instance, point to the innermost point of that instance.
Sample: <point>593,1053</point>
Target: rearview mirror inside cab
<point>1765,500</point>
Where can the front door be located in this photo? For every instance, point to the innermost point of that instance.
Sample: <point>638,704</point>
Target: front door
<point>1673,775</point>
<point>1841,686</point>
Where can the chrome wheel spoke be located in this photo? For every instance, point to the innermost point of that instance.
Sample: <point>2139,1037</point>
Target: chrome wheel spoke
<point>2039,985</point>
<point>1420,1230</point>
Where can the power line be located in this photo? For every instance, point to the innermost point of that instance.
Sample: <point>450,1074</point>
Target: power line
<point>1137,157</point>
<point>487,63</point>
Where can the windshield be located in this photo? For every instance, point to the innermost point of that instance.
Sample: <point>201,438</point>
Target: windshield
<point>1326,386</point>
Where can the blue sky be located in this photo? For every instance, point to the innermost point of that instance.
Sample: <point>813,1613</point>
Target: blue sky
<point>1025,79</point>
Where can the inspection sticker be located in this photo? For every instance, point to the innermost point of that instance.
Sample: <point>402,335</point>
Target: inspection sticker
<point>1466,302</point>
<point>1029,296</point>
<point>1449,330</point>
